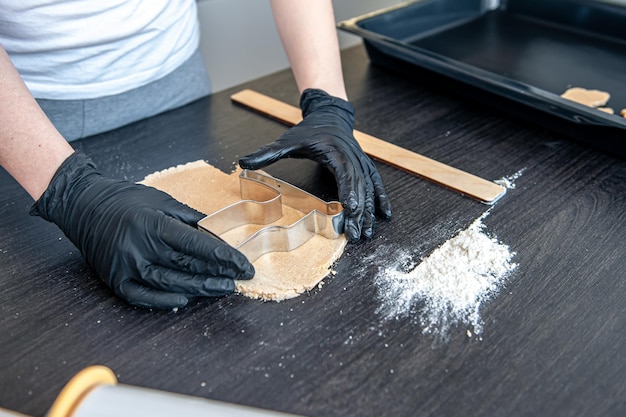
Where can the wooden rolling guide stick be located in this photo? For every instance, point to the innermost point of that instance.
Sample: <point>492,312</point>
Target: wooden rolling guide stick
<point>486,191</point>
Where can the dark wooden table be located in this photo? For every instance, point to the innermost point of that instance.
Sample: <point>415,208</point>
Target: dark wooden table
<point>553,342</point>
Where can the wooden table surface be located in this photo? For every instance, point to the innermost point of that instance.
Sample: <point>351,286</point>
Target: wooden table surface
<point>553,342</point>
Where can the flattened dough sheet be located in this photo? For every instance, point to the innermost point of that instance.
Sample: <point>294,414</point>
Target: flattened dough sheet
<point>279,275</point>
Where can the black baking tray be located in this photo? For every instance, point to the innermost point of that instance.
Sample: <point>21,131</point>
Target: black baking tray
<point>519,55</point>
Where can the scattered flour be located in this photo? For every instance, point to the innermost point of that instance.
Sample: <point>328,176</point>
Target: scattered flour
<point>509,181</point>
<point>450,284</point>
<point>447,288</point>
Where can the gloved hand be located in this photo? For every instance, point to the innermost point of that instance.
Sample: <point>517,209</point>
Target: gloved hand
<point>140,241</point>
<point>325,135</point>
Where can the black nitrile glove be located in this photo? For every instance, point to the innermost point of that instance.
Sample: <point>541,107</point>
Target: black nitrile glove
<point>325,136</point>
<point>140,241</point>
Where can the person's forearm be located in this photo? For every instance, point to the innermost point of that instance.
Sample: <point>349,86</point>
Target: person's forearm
<point>308,33</point>
<point>31,149</point>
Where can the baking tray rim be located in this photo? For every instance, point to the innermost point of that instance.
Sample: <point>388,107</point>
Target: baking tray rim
<point>495,83</point>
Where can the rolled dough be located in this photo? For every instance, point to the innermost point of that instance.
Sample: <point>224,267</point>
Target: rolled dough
<point>279,275</point>
<point>591,98</point>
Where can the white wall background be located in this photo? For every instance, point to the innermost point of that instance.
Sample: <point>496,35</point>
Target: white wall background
<point>239,40</point>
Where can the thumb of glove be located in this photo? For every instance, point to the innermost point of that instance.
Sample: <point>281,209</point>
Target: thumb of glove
<point>268,154</point>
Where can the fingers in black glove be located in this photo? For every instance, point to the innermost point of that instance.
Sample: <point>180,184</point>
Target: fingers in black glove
<point>325,135</point>
<point>142,243</point>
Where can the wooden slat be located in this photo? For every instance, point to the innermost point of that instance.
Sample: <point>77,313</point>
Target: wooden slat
<point>456,179</point>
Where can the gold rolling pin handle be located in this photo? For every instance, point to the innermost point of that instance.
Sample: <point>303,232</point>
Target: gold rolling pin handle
<point>78,387</point>
<point>485,191</point>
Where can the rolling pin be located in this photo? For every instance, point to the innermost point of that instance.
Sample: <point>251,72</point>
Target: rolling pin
<point>468,184</point>
<point>94,392</point>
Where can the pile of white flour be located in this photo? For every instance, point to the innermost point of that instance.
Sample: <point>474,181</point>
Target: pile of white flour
<point>447,288</point>
<point>449,285</point>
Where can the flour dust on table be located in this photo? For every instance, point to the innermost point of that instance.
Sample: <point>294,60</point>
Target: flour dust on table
<point>446,289</point>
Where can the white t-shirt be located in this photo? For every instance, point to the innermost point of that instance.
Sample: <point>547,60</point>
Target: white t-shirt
<point>81,49</point>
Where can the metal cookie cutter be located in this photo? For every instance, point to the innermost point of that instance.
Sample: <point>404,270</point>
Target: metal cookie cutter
<point>262,203</point>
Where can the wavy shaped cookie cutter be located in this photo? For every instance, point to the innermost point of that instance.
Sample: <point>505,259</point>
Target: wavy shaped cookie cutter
<point>262,203</point>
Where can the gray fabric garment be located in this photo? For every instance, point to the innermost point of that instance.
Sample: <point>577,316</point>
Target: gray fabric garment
<point>80,118</point>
